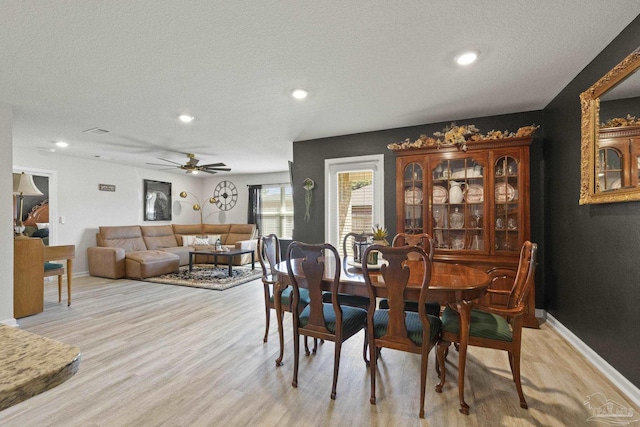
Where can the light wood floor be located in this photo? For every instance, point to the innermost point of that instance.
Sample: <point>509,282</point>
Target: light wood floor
<point>166,355</point>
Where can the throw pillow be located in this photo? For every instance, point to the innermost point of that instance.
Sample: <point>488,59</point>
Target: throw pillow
<point>42,225</point>
<point>188,240</point>
<point>199,241</point>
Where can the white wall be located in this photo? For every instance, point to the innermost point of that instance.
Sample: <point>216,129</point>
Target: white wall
<point>85,208</point>
<point>6,215</point>
<point>238,215</point>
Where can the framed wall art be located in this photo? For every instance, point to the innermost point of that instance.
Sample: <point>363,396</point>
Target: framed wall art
<point>157,200</point>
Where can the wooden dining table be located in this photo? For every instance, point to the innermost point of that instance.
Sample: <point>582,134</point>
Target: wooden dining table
<point>453,284</point>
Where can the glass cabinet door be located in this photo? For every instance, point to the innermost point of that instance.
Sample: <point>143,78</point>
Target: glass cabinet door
<point>458,204</point>
<point>413,182</point>
<point>507,209</point>
<point>609,169</point>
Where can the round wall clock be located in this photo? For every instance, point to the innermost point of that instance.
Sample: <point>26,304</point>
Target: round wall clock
<point>226,195</point>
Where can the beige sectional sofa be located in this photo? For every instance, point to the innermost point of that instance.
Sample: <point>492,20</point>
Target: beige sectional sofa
<point>140,251</point>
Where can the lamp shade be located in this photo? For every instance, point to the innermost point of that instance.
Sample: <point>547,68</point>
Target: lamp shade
<point>23,185</point>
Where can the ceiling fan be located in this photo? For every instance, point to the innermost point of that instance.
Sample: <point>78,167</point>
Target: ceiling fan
<point>192,165</point>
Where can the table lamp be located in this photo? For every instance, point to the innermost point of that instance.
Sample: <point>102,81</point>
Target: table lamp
<point>23,185</point>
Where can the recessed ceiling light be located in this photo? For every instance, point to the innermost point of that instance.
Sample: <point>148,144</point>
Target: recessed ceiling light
<point>467,58</point>
<point>186,118</point>
<point>299,93</point>
<point>62,144</point>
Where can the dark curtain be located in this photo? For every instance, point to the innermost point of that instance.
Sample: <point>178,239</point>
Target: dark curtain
<point>255,207</point>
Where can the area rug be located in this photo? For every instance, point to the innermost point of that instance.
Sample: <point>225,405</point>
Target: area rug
<point>209,277</point>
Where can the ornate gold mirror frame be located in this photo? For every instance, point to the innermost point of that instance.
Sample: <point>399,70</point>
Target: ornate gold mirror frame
<point>590,103</point>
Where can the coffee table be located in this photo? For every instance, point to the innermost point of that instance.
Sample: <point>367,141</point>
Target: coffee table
<point>229,254</point>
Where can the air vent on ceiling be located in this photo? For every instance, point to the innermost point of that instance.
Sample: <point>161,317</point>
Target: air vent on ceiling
<point>97,131</point>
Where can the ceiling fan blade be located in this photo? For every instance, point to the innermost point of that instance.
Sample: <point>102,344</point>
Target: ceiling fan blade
<point>208,171</point>
<point>212,165</point>
<point>159,164</point>
<point>217,169</point>
<point>170,161</point>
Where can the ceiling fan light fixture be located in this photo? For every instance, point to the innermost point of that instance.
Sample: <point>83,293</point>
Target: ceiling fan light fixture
<point>62,144</point>
<point>467,58</point>
<point>186,118</point>
<point>299,93</point>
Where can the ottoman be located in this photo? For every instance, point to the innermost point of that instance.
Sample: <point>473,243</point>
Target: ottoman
<point>142,264</point>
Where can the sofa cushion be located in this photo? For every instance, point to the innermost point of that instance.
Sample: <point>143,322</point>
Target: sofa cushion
<point>128,238</point>
<point>158,236</point>
<point>215,228</point>
<point>238,232</point>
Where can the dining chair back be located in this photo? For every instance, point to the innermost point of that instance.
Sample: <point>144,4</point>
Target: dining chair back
<point>307,266</point>
<point>495,326</point>
<point>277,296</point>
<point>353,244</point>
<point>395,328</point>
<point>351,241</point>
<point>424,241</point>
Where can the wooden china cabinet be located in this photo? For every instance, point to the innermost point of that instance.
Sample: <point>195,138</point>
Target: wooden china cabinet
<point>474,203</point>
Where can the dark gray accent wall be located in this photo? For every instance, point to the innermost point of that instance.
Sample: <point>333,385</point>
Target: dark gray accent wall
<point>593,272</point>
<point>309,157</point>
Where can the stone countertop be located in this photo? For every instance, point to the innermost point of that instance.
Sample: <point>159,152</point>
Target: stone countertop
<point>31,364</point>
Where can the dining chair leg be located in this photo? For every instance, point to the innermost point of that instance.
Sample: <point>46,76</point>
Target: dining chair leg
<point>280,317</point>
<point>423,379</point>
<point>364,349</point>
<point>68,289</point>
<point>441,355</point>
<point>336,367</point>
<point>59,288</point>
<point>296,354</point>
<point>373,352</point>
<point>268,315</point>
<point>516,378</point>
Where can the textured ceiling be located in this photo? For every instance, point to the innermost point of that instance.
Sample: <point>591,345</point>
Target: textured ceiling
<point>131,67</point>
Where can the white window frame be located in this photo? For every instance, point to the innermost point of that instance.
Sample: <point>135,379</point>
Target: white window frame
<point>373,162</point>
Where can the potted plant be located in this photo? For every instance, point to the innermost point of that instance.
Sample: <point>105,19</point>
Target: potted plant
<point>380,236</point>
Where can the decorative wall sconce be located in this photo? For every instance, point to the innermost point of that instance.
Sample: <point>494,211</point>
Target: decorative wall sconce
<point>198,206</point>
<point>308,186</point>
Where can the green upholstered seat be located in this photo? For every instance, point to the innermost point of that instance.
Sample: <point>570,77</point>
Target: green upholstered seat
<point>482,325</point>
<point>433,308</point>
<point>347,299</point>
<point>352,318</point>
<point>48,266</point>
<point>287,296</point>
<point>412,322</point>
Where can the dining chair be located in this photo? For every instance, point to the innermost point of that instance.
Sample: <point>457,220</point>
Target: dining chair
<point>55,253</point>
<point>350,241</point>
<point>396,328</point>
<point>276,295</point>
<point>495,326</point>
<point>320,320</point>
<point>424,241</point>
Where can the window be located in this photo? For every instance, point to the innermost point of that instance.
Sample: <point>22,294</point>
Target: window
<point>277,210</point>
<point>354,196</point>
